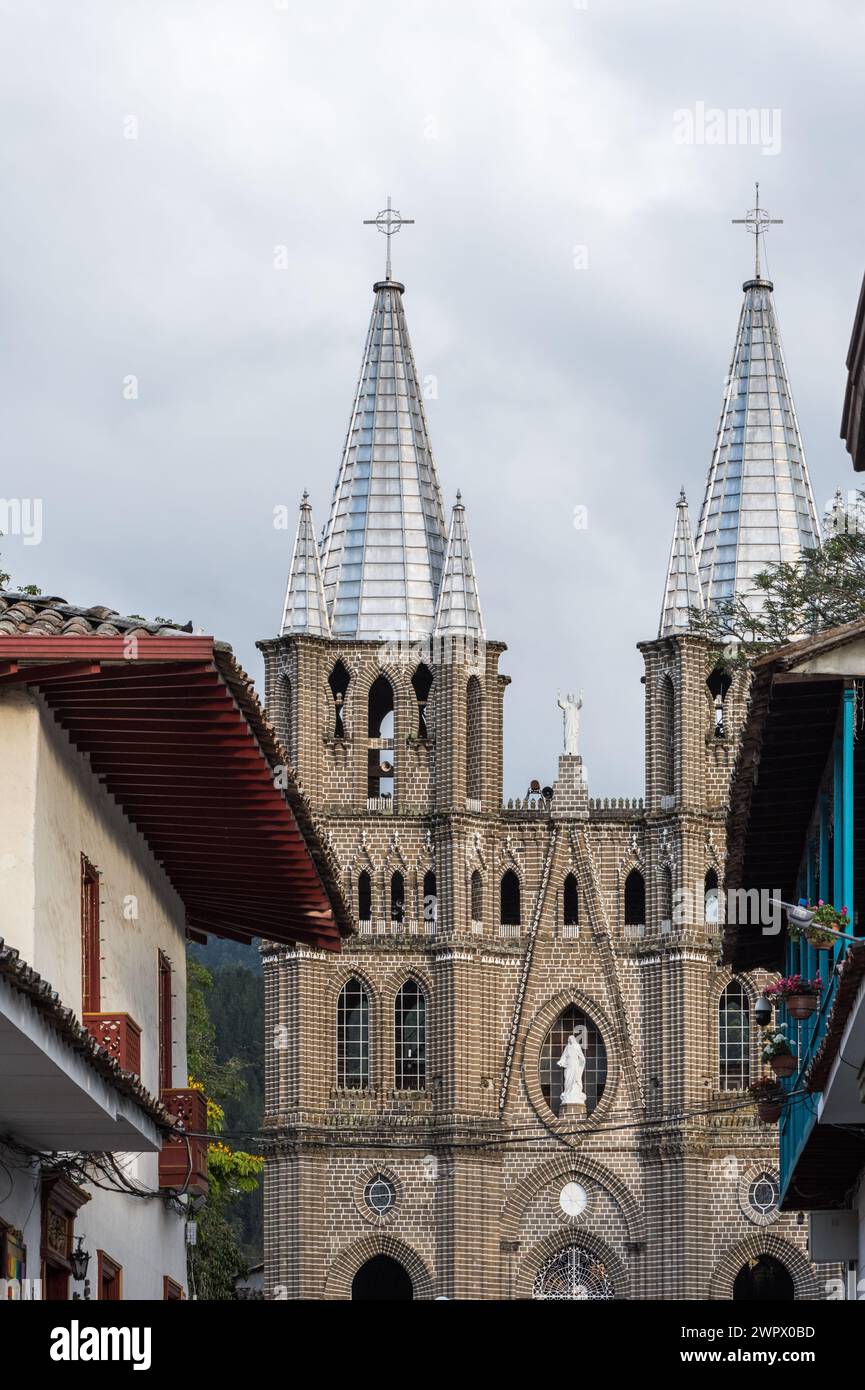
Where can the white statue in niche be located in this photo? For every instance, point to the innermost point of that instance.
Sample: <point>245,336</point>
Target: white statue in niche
<point>570,705</point>
<point>573,1064</point>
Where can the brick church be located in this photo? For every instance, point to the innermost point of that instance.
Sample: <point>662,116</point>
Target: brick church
<point>428,1136</point>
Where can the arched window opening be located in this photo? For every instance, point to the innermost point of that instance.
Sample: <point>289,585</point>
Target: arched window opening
<point>397,897</point>
<point>430,897</point>
<point>510,899</point>
<point>734,1038</point>
<point>422,684</point>
<point>712,899</point>
<point>364,897</point>
<point>718,683</point>
<point>477,897</point>
<point>635,899</point>
<point>283,711</point>
<point>667,750</point>
<point>570,902</point>
<point>665,899</point>
<point>410,1017</point>
<point>552,1075</point>
<point>338,680</point>
<point>352,1036</point>
<point>474,740</point>
<point>381,740</point>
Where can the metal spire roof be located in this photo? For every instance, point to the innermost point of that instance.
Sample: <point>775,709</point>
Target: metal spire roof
<point>384,543</point>
<point>682,591</point>
<point>458,612</point>
<point>305,609</point>
<point>759,507</point>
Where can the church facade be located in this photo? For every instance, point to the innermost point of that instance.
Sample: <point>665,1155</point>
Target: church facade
<point>526,1075</point>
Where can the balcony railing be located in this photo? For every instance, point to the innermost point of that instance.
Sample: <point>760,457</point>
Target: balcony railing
<point>119,1036</point>
<point>509,929</point>
<point>183,1160</point>
<point>382,804</point>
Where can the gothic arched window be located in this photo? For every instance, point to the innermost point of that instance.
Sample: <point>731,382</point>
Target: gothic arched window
<point>667,749</point>
<point>734,1038</point>
<point>283,716</point>
<point>711,899</point>
<point>410,1011</point>
<point>338,680</point>
<point>570,902</point>
<point>397,897</point>
<point>352,1036</point>
<point>380,711</point>
<point>430,897</point>
<point>573,1020</point>
<point>477,897</point>
<point>364,896</point>
<point>665,898</point>
<point>474,740</point>
<point>422,684</point>
<point>718,683</point>
<point>635,899</point>
<point>510,899</point>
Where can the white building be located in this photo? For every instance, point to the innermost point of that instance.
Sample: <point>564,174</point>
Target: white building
<point>143,796</point>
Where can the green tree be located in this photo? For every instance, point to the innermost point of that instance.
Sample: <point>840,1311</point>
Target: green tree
<point>823,588</point>
<point>233,1175</point>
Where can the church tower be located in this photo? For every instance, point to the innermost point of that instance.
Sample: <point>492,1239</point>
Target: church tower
<point>525,1076</point>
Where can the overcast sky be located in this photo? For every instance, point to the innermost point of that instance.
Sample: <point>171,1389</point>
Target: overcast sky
<point>573,284</point>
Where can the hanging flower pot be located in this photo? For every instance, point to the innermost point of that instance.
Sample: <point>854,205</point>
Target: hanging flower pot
<point>800,995</point>
<point>783,1064</point>
<point>820,940</point>
<point>801,1005</point>
<point>770,1099</point>
<point>769,1111</point>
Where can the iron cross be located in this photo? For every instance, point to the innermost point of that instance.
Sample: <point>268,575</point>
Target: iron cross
<point>757,221</point>
<point>389,221</point>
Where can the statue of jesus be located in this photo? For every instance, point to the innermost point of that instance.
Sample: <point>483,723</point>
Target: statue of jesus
<point>573,1064</point>
<point>570,706</point>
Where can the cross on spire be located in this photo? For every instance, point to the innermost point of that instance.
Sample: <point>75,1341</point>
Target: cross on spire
<point>388,221</point>
<point>757,221</point>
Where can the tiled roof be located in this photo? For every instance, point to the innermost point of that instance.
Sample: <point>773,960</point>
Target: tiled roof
<point>26,615</point>
<point>47,1002</point>
<point>49,616</point>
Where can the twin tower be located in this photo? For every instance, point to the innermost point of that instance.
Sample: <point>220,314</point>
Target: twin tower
<point>418,1142</point>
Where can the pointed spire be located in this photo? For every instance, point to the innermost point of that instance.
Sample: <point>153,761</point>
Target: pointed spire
<point>385,538</point>
<point>305,610</point>
<point>682,592</point>
<point>758,508</point>
<point>458,612</point>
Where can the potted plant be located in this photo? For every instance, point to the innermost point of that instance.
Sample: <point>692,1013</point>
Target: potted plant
<point>769,1097</point>
<point>777,1051</point>
<point>798,994</point>
<point>811,919</point>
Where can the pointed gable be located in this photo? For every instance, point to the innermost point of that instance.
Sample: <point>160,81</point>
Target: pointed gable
<point>305,610</point>
<point>458,612</point>
<point>682,591</point>
<point>384,544</point>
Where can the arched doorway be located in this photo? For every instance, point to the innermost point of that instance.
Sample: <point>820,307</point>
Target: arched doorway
<point>382,1277</point>
<point>763,1279</point>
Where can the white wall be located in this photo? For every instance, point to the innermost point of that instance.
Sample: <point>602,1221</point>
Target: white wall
<point>53,809</point>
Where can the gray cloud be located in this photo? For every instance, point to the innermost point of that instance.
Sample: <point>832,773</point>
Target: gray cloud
<point>513,133</point>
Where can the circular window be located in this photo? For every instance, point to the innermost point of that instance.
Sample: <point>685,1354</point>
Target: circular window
<point>581,1063</point>
<point>573,1273</point>
<point>759,1192</point>
<point>763,1194</point>
<point>379,1194</point>
<point>573,1199</point>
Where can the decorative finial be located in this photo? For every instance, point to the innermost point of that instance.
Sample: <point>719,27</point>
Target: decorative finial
<point>388,221</point>
<point>459,496</point>
<point>757,221</point>
<point>305,498</point>
<point>682,497</point>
